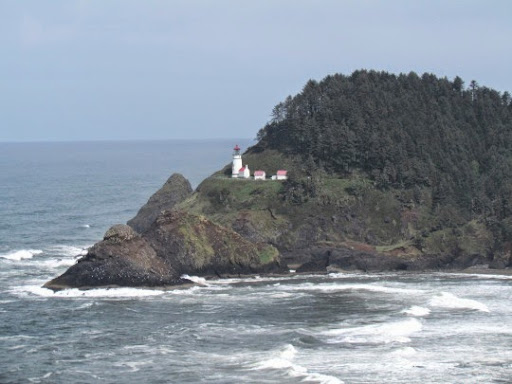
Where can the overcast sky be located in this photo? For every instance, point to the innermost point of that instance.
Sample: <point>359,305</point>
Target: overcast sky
<point>96,70</point>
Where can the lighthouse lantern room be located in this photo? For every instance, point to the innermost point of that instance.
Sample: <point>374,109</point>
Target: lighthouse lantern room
<point>237,162</point>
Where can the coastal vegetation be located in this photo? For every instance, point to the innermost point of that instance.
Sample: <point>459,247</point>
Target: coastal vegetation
<point>440,148</point>
<point>385,172</point>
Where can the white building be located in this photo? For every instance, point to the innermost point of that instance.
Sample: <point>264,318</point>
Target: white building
<point>244,172</point>
<point>237,162</point>
<point>282,175</point>
<point>259,175</point>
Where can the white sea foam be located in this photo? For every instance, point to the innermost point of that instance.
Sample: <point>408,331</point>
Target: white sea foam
<point>475,275</point>
<point>84,306</point>
<point>334,287</point>
<point>195,279</point>
<point>404,352</point>
<point>16,347</point>
<point>282,295</point>
<point>450,301</point>
<point>21,254</point>
<point>85,226</point>
<point>38,379</point>
<point>133,365</point>
<point>186,291</point>
<point>417,311</point>
<point>54,263</point>
<point>67,250</point>
<point>282,360</point>
<point>375,333</point>
<point>98,292</point>
<point>359,275</point>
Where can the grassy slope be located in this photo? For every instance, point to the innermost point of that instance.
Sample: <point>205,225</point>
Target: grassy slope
<point>343,211</point>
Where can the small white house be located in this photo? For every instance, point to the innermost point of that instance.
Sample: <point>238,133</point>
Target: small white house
<point>244,172</point>
<point>259,175</point>
<point>282,174</point>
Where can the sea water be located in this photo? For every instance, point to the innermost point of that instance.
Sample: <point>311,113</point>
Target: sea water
<point>57,199</point>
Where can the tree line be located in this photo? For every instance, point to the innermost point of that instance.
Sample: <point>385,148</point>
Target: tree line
<point>406,131</point>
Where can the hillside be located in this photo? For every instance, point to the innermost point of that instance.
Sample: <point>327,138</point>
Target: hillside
<point>385,172</point>
<point>404,165</point>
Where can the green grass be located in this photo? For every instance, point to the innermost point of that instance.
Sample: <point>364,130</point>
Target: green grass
<point>240,193</point>
<point>392,247</point>
<point>268,254</point>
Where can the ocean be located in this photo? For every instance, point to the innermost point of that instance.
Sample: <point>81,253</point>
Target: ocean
<point>57,199</point>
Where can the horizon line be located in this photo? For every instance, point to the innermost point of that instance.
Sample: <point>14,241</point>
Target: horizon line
<point>117,140</point>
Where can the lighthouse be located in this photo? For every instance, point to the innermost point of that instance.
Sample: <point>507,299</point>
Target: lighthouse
<point>237,161</point>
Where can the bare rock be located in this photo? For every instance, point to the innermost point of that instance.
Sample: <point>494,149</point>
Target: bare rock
<point>176,243</point>
<point>118,233</point>
<point>176,189</point>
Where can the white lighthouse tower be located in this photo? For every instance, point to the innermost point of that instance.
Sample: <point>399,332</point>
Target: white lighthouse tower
<point>237,161</point>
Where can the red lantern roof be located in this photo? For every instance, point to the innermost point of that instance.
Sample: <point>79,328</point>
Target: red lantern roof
<point>237,148</point>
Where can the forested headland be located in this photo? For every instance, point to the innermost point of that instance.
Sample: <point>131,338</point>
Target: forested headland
<point>407,132</point>
<point>386,172</point>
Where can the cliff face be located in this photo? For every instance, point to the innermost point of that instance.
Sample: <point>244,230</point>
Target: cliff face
<point>327,222</point>
<point>169,244</point>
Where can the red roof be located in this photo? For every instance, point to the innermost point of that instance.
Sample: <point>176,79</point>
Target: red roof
<point>237,148</point>
<point>282,172</point>
<point>241,169</point>
<point>259,173</point>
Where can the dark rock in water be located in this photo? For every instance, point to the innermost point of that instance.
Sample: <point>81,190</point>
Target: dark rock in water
<point>176,189</point>
<point>176,243</point>
<point>317,265</point>
<point>324,259</point>
<point>498,264</point>
<point>328,258</point>
<point>347,259</point>
<point>123,258</point>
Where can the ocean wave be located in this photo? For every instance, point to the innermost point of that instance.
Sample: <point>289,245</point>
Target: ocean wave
<point>185,291</point>
<point>123,292</point>
<point>133,365</point>
<point>404,352</point>
<point>417,311</point>
<point>360,275</point>
<point>375,333</point>
<point>54,263</point>
<point>282,360</point>
<point>67,250</point>
<point>259,279</point>
<point>333,287</point>
<point>450,301</point>
<point>476,275</point>
<point>195,279</point>
<point>21,254</point>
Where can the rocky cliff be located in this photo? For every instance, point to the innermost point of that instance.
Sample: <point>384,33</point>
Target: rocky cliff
<point>175,190</point>
<point>385,172</point>
<point>173,244</point>
<point>327,222</point>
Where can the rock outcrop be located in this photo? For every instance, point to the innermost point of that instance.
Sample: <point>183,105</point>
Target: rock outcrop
<point>176,189</point>
<point>176,243</point>
<point>328,259</point>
